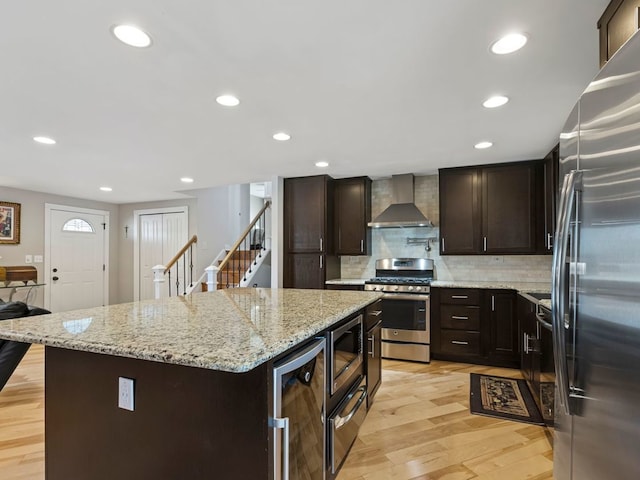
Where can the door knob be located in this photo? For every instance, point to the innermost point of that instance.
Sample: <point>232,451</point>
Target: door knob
<point>54,278</point>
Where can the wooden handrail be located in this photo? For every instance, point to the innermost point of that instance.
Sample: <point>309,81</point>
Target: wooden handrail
<point>243,236</point>
<point>193,240</point>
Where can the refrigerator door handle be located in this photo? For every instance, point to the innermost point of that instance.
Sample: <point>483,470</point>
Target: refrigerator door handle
<point>560,287</point>
<point>283,423</point>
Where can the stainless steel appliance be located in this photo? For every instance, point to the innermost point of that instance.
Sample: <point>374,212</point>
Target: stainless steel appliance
<point>345,353</point>
<point>405,325</point>
<point>596,279</point>
<point>298,414</point>
<point>345,423</point>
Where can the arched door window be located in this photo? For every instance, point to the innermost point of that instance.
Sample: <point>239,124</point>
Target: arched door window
<point>77,225</point>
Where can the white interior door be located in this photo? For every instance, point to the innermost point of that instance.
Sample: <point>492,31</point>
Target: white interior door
<point>77,258</point>
<point>160,237</point>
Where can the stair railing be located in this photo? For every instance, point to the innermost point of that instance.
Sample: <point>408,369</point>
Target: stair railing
<point>243,257</point>
<point>180,267</point>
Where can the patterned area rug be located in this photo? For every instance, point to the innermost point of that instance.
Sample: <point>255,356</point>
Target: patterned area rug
<point>503,397</point>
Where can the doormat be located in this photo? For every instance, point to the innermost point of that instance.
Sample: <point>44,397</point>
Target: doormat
<point>502,397</point>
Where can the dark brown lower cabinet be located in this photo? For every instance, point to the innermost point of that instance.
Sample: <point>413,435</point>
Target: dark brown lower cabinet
<point>503,348</point>
<point>475,326</point>
<point>374,361</point>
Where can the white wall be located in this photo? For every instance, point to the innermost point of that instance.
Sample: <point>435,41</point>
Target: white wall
<point>32,232</point>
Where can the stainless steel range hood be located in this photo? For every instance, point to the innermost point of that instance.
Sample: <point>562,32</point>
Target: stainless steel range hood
<point>402,212</point>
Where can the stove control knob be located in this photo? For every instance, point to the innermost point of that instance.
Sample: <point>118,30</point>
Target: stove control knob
<point>418,288</point>
<point>396,288</point>
<point>411,288</point>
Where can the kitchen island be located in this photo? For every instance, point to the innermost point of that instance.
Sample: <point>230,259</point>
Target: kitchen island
<point>202,370</point>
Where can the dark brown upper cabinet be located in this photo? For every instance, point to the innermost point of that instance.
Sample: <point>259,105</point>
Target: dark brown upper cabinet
<point>459,211</point>
<point>308,214</point>
<point>491,209</point>
<point>618,23</point>
<point>509,208</point>
<point>352,213</point>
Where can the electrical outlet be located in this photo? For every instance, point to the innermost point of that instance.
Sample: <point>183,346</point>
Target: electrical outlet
<point>28,259</point>
<point>125,393</point>
<point>38,259</point>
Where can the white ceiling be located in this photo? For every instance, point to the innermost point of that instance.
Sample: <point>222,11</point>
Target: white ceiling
<point>375,87</point>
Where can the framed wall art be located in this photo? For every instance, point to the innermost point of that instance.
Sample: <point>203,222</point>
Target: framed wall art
<point>9,222</point>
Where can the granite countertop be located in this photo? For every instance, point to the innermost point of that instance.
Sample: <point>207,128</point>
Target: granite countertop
<point>533,287</point>
<point>346,281</point>
<point>229,330</point>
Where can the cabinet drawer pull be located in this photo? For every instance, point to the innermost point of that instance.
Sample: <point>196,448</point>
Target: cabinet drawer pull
<point>456,317</point>
<point>460,296</point>
<point>361,246</point>
<point>458,342</point>
<point>375,313</point>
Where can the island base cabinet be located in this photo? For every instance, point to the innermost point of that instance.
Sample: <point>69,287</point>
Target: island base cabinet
<point>187,422</point>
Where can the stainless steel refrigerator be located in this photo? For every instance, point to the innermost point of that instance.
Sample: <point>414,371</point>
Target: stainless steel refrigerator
<point>596,279</point>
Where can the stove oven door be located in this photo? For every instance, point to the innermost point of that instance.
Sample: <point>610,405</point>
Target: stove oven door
<point>406,318</point>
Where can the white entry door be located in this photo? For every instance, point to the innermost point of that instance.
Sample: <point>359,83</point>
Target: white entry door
<point>160,237</point>
<point>76,251</point>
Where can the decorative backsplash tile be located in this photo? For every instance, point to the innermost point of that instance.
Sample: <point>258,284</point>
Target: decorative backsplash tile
<point>392,242</point>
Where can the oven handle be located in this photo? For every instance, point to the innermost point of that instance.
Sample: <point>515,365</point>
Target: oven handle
<point>402,296</point>
<point>341,421</point>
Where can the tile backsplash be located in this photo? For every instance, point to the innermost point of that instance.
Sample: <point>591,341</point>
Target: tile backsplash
<point>392,242</point>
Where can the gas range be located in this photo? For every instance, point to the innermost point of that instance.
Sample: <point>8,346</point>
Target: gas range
<point>402,275</point>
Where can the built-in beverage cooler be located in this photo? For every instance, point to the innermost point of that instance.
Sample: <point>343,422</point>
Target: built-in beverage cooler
<point>299,414</point>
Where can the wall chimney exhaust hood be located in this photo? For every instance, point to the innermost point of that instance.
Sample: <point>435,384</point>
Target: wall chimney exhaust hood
<point>403,211</point>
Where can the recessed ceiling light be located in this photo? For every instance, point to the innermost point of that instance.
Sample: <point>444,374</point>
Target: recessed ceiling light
<point>482,145</point>
<point>281,136</point>
<point>322,164</point>
<point>509,43</point>
<point>228,100</point>
<point>106,189</point>
<point>186,180</point>
<point>44,140</point>
<point>132,36</point>
<point>495,101</point>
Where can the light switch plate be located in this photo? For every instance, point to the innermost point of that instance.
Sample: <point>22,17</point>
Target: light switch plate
<point>28,259</point>
<point>125,393</point>
<point>38,259</point>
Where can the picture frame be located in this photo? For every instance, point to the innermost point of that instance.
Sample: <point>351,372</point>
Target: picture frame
<point>9,223</point>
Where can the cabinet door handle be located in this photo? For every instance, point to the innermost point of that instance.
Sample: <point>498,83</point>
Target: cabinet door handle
<point>442,240</point>
<point>458,342</point>
<point>484,243</point>
<point>460,296</point>
<point>361,246</point>
<point>549,241</point>
<point>493,303</point>
<point>525,342</point>
<point>321,262</point>
<point>321,244</point>
<point>372,351</point>
<point>456,317</point>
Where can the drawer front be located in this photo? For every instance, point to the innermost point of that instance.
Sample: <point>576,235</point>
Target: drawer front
<point>373,314</point>
<point>460,317</point>
<point>459,342</point>
<point>460,296</point>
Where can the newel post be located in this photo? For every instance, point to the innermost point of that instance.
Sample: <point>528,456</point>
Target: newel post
<point>212,275</point>
<point>158,279</point>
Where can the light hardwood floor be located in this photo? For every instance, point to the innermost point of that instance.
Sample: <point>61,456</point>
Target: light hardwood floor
<point>419,428</point>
